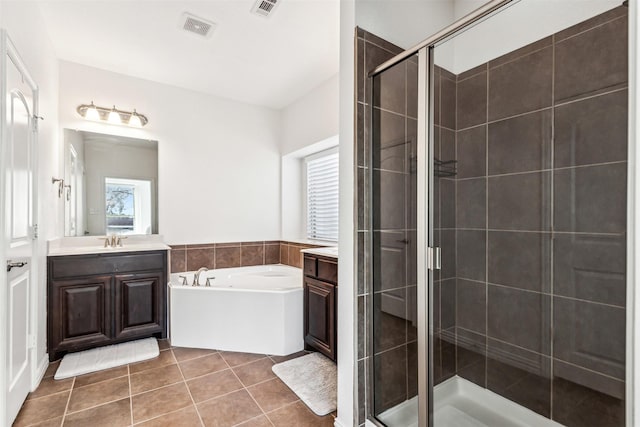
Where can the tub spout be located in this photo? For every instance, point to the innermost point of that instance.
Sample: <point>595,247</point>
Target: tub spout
<point>196,276</point>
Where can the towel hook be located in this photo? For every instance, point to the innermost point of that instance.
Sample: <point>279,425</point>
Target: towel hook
<point>60,182</point>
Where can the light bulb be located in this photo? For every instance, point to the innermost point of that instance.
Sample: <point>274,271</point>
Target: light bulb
<point>92,113</point>
<point>114,117</point>
<point>134,120</point>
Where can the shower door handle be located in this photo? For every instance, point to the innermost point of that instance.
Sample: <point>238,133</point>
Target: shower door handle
<point>433,258</point>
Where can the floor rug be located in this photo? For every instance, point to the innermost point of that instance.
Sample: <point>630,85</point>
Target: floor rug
<point>97,359</point>
<point>313,378</point>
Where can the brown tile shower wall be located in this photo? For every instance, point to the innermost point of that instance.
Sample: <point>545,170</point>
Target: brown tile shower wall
<point>371,51</point>
<point>540,223</point>
<point>237,254</point>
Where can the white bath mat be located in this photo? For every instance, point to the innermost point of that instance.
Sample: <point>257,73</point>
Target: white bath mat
<point>313,378</point>
<point>97,359</point>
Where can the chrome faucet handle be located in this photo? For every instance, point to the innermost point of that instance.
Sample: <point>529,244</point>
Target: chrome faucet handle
<point>119,240</point>
<point>196,276</point>
<point>184,280</point>
<point>106,241</point>
<point>209,281</point>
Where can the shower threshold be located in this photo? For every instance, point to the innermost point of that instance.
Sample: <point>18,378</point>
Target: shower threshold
<point>461,403</point>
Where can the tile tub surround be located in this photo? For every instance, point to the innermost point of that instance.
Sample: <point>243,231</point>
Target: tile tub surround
<point>542,225</point>
<point>181,387</point>
<point>237,254</point>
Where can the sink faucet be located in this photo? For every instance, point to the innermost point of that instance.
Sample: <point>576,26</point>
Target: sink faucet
<point>196,276</point>
<point>110,241</point>
<point>113,240</point>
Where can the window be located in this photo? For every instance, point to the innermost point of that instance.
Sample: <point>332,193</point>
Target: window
<point>128,206</point>
<point>322,195</point>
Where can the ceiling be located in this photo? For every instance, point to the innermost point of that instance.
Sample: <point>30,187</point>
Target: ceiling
<point>268,61</point>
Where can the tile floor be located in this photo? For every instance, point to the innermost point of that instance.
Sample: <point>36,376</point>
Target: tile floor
<point>182,387</point>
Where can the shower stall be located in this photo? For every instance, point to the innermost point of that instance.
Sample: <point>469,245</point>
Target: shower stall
<point>492,220</point>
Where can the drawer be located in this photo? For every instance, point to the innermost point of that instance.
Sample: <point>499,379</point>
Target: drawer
<point>310,266</point>
<point>96,264</point>
<point>327,270</point>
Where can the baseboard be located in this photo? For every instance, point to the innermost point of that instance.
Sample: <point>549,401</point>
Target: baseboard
<point>338,423</point>
<point>40,371</point>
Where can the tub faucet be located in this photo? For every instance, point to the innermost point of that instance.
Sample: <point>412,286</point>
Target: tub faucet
<point>196,276</point>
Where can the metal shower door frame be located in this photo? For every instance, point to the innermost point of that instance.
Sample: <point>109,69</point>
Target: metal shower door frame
<point>425,235</point>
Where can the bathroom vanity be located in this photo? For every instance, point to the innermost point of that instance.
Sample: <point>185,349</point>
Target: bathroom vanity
<point>320,271</point>
<point>100,296</point>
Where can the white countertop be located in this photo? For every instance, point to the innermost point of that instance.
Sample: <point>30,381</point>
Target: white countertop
<point>95,245</point>
<point>322,243</point>
<point>330,251</point>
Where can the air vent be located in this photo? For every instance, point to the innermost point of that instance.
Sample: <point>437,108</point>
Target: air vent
<point>264,7</point>
<point>197,25</point>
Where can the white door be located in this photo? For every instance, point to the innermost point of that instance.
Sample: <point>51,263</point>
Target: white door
<point>16,170</point>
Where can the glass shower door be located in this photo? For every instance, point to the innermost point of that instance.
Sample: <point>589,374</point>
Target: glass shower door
<point>530,171</point>
<point>394,319</point>
<point>508,156</point>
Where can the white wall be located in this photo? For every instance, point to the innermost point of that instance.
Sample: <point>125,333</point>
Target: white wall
<point>218,160</point>
<point>404,23</point>
<point>311,118</point>
<point>347,366</point>
<point>309,125</point>
<point>25,27</point>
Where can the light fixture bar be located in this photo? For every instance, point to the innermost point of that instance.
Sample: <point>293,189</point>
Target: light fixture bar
<point>103,114</point>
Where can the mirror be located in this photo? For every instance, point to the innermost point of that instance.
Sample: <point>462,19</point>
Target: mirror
<point>110,184</point>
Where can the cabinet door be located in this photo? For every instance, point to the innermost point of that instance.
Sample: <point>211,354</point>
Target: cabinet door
<point>139,308</point>
<point>80,311</point>
<point>319,316</point>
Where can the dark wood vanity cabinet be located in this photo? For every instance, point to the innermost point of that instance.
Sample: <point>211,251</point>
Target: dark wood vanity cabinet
<point>320,304</point>
<point>101,299</point>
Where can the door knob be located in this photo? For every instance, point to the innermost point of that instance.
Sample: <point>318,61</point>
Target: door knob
<point>12,264</point>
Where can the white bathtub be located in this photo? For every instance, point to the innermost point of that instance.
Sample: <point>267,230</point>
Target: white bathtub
<point>249,309</point>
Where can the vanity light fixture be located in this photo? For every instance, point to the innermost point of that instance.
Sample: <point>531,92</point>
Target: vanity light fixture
<point>134,119</point>
<point>112,115</point>
<point>91,113</point>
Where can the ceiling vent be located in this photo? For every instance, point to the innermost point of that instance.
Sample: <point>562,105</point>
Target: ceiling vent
<point>264,7</point>
<point>197,25</point>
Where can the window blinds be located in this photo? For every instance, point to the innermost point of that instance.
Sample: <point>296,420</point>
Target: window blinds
<point>322,197</point>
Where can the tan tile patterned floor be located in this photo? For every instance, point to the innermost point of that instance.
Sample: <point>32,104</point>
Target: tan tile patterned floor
<point>182,387</point>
